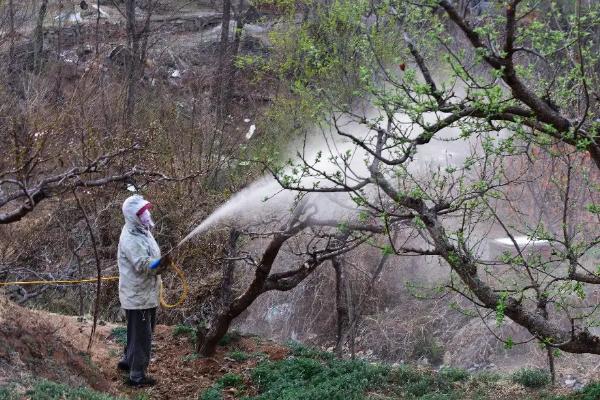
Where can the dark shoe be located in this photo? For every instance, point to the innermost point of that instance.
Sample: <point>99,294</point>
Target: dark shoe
<point>145,381</point>
<point>123,366</point>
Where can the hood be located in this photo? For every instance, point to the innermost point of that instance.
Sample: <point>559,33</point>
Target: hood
<point>131,206</point>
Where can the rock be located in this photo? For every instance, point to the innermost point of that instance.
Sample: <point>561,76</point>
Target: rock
<point>570,382</point>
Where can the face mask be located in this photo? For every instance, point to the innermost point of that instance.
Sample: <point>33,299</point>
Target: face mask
<point>146,219</point>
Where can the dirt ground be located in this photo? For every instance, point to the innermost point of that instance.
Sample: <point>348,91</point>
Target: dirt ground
<point>37,344</point>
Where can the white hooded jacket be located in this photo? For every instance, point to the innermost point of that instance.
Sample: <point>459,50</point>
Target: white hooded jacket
<point>138,284</point>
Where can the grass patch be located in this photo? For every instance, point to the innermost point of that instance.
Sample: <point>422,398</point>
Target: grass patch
<point>315,379</point>
<point>231,380</point>
<point>300,350</point>
<point>239,356</point>
<point>531,377</point>
<point>453,374</point>
<point>184,330</point>
<point>119,334</point>
<point>47,390</point>
<point>8,393</point>
<point>486,377</point>
<point>215,392</point>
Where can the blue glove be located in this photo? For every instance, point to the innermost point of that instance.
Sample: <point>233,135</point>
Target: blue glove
<point>154,264</point>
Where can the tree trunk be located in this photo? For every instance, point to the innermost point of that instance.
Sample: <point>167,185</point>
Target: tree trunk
<point>341,304</point>
<point>208,345</point>
<point>223,51</point>
<point>38,37</point>
<point>227,283</point>
<point>131,61</point>
<point>550,352</point>
<point>229,71</point>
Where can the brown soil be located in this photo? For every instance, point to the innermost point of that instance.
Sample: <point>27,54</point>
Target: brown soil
<point>44,345</point>
<point>35,344</point>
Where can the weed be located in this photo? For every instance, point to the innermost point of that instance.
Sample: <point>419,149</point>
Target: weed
<point>453,374</point>
<point>238,355</point>
<point>531,377</point>
<point>300,350</point>
<point>430,348</point>
<point>486,377</point>
<point>119,334</point>
<point>184,330</point>
<point>591,391</point>
<point>8,393</point>
<point>315,379</point>
<point>46,390</point>
<point>231,380</point>
<point>227,380</point>
<point>213,393</point>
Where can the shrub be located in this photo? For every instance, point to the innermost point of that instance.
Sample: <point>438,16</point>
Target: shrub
<point>453,374</point>
<point>404,374</point>
<point>119,334</point>
<point>531,377</point>
<point>428,347</point>
<point>486,377</point>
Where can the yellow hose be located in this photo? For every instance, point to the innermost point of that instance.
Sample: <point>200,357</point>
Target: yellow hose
<point>163,303</point>
<point>184,292</point>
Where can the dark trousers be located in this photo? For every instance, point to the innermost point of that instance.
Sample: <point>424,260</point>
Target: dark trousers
<point>140,325</point>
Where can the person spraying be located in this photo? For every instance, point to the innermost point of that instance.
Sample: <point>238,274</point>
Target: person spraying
<point>140,265</point>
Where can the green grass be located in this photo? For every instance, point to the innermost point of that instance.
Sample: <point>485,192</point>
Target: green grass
<point>184,330</point>
<point>315,379</point>
<point>454,374</point>
<point>8,393</point>
<point>119,334</point>
<point>226,381</point>
<point>531,377</point>
<point>239,355</point>
<point>47,390</point>
<point>311,374</point>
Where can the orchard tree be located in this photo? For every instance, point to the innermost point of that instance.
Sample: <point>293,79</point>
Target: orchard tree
<point>474,121</point>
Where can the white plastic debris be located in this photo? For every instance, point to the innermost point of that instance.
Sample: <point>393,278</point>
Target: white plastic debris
<point>521,241</point>
<point>69,16</point>
<point>103,14</point>
<point>246,120</point>
<point>251,131</point>
<point>176,74</point>
<point>131,188</point>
